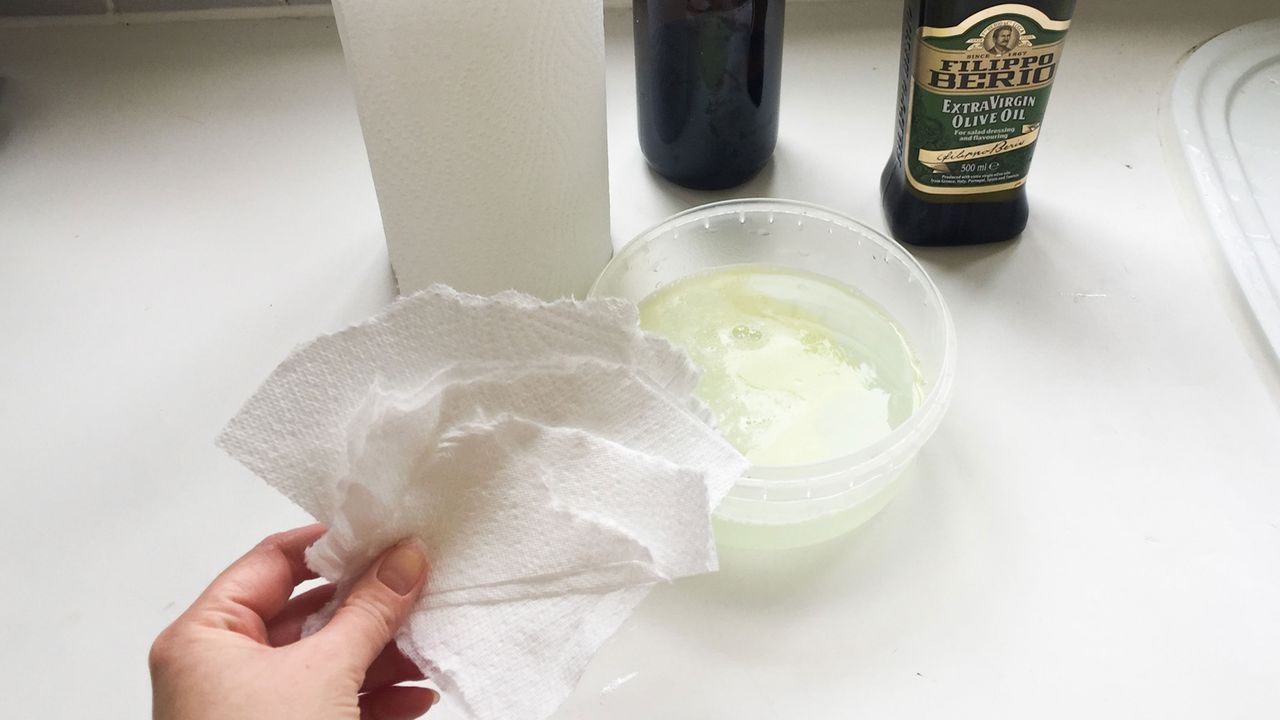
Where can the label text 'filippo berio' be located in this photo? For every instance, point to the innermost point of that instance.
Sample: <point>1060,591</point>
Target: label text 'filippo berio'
<point>993,73</point>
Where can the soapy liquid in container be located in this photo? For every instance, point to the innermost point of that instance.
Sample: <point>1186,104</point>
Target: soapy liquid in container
<point>797,368</point>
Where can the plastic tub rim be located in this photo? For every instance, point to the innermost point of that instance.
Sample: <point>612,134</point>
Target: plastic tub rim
<point>889,452</point>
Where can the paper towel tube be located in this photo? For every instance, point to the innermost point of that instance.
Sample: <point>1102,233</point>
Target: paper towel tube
<point>484,122</point>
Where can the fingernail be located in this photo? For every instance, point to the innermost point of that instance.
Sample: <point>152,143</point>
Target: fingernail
<point>402,569</point>
<point>435,698</point>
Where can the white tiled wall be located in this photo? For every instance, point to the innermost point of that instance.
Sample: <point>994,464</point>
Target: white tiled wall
<point>15,8</point>
<point>28,8</point>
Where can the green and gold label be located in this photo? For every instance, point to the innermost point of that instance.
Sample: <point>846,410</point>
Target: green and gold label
<point>979,96</point>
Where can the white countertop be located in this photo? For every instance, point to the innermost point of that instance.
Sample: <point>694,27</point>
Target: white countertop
<point>1093,532</point>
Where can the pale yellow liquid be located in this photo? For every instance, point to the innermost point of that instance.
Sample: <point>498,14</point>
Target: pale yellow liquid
<point>797,368</point>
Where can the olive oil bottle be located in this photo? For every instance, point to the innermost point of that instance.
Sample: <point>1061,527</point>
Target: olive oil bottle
<point>974,85</point>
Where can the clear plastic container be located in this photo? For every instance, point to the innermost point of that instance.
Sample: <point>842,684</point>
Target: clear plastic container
<point>796,505</point>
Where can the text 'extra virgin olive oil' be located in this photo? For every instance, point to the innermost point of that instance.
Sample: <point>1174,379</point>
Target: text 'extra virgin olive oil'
<point>974,85</point>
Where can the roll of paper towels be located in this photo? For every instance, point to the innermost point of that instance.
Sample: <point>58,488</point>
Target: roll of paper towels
<point>484,122</point>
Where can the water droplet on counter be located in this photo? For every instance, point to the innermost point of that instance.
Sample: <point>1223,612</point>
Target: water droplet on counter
<point>617,683</point>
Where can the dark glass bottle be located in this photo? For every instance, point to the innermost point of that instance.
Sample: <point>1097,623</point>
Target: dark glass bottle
<point>974,84</point>
<point>708,74</point>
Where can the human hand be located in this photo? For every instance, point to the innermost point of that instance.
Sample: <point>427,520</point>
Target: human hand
<point>236,654</point>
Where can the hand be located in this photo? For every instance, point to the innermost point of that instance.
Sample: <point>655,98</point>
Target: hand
<point>236,653</point>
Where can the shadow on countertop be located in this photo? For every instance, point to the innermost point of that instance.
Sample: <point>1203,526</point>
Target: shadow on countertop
<point>5,123</point>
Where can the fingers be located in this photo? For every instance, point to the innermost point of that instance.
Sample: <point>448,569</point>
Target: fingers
<point>390,668</point>
<point>259,584</point>
<point>376,607</point>
<point>286,627</point>
<point>397,703</point>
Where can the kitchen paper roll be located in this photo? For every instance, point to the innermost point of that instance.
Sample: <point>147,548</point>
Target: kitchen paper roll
<point>484,122</point>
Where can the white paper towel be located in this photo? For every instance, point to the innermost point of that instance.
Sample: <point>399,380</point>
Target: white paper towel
<point>484,122</point>
<point>550,457</point>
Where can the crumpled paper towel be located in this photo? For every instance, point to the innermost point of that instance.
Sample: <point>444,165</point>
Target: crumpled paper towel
<point>550,456</point>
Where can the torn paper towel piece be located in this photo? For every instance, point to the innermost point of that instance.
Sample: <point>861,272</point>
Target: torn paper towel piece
<point>550,456</point>
<point>561,632</point>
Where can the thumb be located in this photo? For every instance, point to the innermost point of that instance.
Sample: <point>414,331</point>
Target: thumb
<point>377,605</point>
